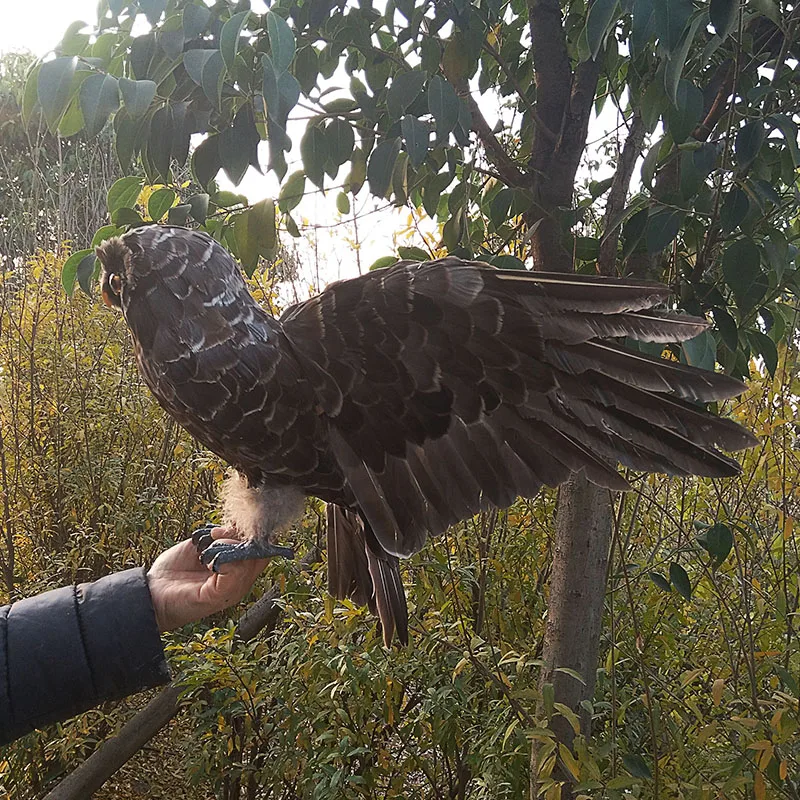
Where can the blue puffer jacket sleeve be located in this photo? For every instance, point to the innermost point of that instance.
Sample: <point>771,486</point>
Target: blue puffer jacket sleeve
<point>67,650</point>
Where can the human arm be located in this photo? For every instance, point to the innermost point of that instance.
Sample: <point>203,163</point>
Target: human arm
<point>70,649</point>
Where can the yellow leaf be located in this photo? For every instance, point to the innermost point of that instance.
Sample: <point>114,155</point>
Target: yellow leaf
<point>759,787</point>
<point>765,757</point>
<point>783,770</point>
<point>569,761</point>
<point>761,744</point>
<point>716,690</point>
<point>788,525</point>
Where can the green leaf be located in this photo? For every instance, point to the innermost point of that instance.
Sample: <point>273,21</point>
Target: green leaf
<point>651,161</point>
<point>281,41</point>
<point>763,345</point>
<point>679,578</point>
<point>206,161</point>
<point>748,142</point>
<point>700,351</point>
<point>179,215</point>
<point>127,216</point>
<point>717,541</point>
<point>207,69</point>
<point>660,581</point>
<point>343,203</point>
<point>788,680</point>
<point>500,207</point>
<point>153,9</point>
<point>137,95</point>
<point>314,152</point>
<point>381,166</point>
<point>159,203</point>
<point>72,121</point>
<point>769,9</point>
<point>30,97</point>
<point>413,254</point>
<point>99,98</point>
<point>291,226</point>
<point>123,193</point>
<point>671,17</point>
<point>642,24</point>
<point>507,262</point>
<point>382,263</point>
<point>54,83</point>
<point>416,139</point>
<point>734,209</point>
<point>635,764</point>
<point>238,146</point>
<point>599,188</point>
<point>229,37</point>
<point>599,20</point>
<point>106,232</point>
<point>227,199</point>
<point>159,141</point>
<point>195,20</point>
<point>587,248</point>
<point>633,231</point>
<point>86,273</point>
<point>404,91</point>
<point>256,234</point>
<point>443,105</point>
<point>677,59</point>
<point>726,325</point>
<point>69,272</point>
<point>741,266</point>
<point>662,227</point>
<point>724,15</point>
<point>292,191</point>
<point>194,61</point>
<point>198,203</point>
<point>687,111</point>
<point>306,67</point>
<point>341,141</point>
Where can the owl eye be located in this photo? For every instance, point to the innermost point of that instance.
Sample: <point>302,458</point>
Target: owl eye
<point>115,282</point>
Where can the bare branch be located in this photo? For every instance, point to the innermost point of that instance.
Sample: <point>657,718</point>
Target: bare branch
<point>619,193</point>
<point>495,152</point>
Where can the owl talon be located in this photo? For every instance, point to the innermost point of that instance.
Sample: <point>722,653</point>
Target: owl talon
<point>222,553</point>
<point>201,538</point>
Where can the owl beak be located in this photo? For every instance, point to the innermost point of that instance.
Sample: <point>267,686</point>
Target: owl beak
<point>115,285</point>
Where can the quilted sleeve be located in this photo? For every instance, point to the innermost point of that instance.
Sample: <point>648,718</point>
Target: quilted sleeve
<point>69,649</point>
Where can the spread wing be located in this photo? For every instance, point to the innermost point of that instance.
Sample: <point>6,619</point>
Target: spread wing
<point>449,385</point>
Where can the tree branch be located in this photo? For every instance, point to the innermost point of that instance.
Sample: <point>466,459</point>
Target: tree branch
<point>135,734</point>
<point>619,193</point>
<point>495,152</point>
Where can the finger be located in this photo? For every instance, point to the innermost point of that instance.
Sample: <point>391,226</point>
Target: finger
<point>224,532</point>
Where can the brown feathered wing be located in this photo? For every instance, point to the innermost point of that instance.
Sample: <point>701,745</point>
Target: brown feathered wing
<point>414,396</point>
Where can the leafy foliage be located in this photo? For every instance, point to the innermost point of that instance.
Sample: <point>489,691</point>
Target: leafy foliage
<point>697,694</point>
<point>718,188</point>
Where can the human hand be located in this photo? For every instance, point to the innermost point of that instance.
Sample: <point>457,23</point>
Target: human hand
<point>185,590</point>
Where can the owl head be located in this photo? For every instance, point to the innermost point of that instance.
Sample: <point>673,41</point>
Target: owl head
<point>114,256</point>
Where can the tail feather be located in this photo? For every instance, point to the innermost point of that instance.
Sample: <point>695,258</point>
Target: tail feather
<point>360,569</point>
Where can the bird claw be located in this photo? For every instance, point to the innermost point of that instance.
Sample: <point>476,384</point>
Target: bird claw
<point>201,538</point>
<point>219,553</point>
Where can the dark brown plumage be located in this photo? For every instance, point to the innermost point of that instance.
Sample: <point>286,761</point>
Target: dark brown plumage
<point>411,397</point>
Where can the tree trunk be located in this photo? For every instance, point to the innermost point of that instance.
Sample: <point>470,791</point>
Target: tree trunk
<point>575,610</point>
